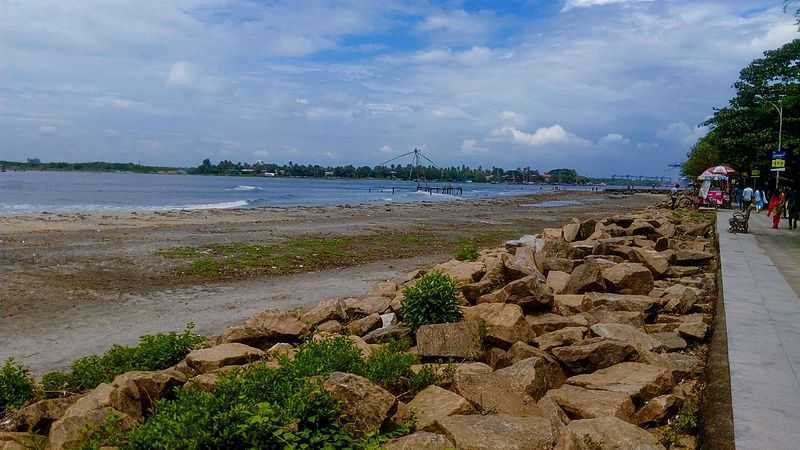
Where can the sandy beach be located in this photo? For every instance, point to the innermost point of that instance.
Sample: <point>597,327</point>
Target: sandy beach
<point>73,284</point>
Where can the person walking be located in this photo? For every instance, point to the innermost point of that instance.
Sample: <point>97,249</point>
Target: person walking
<point>737,198</point>
<point>793,209</point>
<point>775,208</point>
<point>673,195</point>
<point>747,196</point>
<point>759,200</point>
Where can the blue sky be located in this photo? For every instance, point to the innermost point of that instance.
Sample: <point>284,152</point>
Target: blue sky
<point>604,86</point>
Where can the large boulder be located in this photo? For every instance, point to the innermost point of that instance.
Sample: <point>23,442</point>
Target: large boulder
<point>559,338</point>
<point>624,302</point>
<point>520,351</point>
<point>640,381</point>
<point>330,309</point>
<point>581,403</point>
<point>393,332</point>
<point>522,264</point>
<point>450,340</point>
<point>530,292</point>
<point>502,324</point>
<point>608,433</point>
<point>231,354</point>
<point>493,393</point>
<point>695,331</point>
<point>547,322</point>
<point>629,278</point>
<point>361,307</point>
<point>572,230</point>
<point>627,333</point>
<point>360,327</point>
<point>267,328</point>
<point>38,416</point>
<point>653,260</point>
<point>586,277</point>
<point>658,410</point>
<point>21,441</point>
<point>434,403</point>
<point>129,397</point>
<point>421,440</point>
<point>557,281</point>
<point>602,315</point>
<point>567,304</point>
<point>551,248</point>
<point>498,432</point>
<point>670,340</point>
<point>364,406</point>
<point>593,354</point>
<point>535,375</point>
<point>692,257</point>
<point>680,298</point>
<point>587,228</point>
<point>463,272</point>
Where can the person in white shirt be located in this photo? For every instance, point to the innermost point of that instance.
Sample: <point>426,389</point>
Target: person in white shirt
<point>747,196</point>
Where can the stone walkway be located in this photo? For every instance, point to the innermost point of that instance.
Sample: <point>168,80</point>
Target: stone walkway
<point>760,281</point>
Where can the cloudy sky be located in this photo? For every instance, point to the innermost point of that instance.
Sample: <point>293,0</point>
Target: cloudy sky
<point>604,86</point>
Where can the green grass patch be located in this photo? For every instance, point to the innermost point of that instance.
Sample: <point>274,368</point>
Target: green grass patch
<point>268,408</point>
<point>154,352</point>
<point>467,252</point>
<point>16,385</point>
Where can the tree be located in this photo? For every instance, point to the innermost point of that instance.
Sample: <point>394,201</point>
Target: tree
<point>703,155</point>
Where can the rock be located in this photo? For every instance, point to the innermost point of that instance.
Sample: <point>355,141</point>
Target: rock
<point>624,302</point>
<point>330,326</point>
<point>646,243</point>
<point>281,350</point>
<point>38,416</point>
<point>364,325</point>
<point>386,289</point>
<point>450,340</point>
<point>653,260</point>
<point>493,393</point>
<point>547,322</point>
<point>520,351</point>
<point>527,240</point>
<point>593,354</point>
<point>658,410</point>
<point>232,354</point>
<point>557,281</point>
<point>661,244</point>
<point>498,432</point>
<point>552,233</point>
<point>535,375</point>
<point>626,333</point>
<point>683,271</point>
<point>129,396</point>
<point>602,315</point>
<point>559,264</point>
<point>566,304</point>
<point>671,341</point>
<point>330,309</point>
<point>581,403</point>
<point>680,299</point>
<point>522,264</point>
<point>558,338</point>
<point>692,257</point>
<point>629,278</point>
<point>641,228</point>
<point>558,418</point>
<point>586,277</point>
<point>397,303</point>
<point>696,331</point>
<point>360,307</point>
<point>551,248</point>
<point>503,324</point>
<point>571,230</point>
<point>494,356</point>
<point>587,228</point>
<point>361,345</point>
<point>640,381</point>
<point>434,403</point>
<point>393,332</point>
<point>21,441</point>
<point>653,328</point>
<point>421,440</point>
<point>530,292</point>
<point>267,328</point>
<point>206,382</point>
<point>364,406</point>
<point>582,249</point>
<point>463,272</point>
<point>605,433</point>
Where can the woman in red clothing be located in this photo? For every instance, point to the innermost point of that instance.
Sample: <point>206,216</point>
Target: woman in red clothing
<point>775,208</point>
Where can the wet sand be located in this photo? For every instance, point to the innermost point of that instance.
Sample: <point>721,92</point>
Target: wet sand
<point>74,284</point>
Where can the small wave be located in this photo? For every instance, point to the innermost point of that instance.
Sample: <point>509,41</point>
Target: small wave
<point>244,187</point>
<point>436,194</point>
<point>221,205</point>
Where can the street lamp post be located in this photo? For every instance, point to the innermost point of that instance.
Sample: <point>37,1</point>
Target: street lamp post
<point>778,107</point>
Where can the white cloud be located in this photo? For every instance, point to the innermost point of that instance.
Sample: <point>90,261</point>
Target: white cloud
<point>682,134</point>
<point>473,55</point>
<point>472,146</point>
<point>47,130</point>
<point>572,4</point>
<point>386,149</point>
<point>614,138</point>
<point>512,118</point>
<point>301,101</point>
<point>182,74</point>
<point>555,134</point>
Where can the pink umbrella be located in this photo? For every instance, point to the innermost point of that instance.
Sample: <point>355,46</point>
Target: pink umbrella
<point>717,172</point>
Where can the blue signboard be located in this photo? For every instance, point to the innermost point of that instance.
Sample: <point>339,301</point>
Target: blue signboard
<point>778,161</point>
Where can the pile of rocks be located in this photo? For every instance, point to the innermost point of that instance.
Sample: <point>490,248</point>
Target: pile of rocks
<point>583,337</point>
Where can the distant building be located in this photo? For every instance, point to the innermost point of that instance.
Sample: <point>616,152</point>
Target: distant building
<point>268,174</point>
<point>328,174</point>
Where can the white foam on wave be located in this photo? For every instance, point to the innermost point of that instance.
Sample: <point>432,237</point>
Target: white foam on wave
<point>244,187</point>
<point>439,195</point>
<point>221,205</point>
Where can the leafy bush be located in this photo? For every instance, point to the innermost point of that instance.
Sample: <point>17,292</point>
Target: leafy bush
<point>467,252</point>
<point>425,377</point>
<point>390,367</point>
<point>16,385</point>
<point>154,352</point>
<point>322,357</point>
<point>432,299</point>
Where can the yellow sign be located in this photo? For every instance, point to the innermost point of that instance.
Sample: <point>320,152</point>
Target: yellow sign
<point>755,173</point>
<point>778,163</point>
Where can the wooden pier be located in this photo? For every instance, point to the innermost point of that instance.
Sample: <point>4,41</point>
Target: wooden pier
<point>447,190</point>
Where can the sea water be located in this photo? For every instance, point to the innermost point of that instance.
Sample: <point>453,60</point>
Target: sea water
<point>33,192</point>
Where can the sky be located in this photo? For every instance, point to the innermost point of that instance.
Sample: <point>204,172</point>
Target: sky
<point>603,86</point>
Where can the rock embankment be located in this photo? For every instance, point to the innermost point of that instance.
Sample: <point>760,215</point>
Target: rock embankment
<point>589,336</point>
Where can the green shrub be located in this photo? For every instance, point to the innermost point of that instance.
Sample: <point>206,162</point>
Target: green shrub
<point>322,357</point>
<point>154,352</point>
<point>425,377</point>
<point>432,299</point>
<point>16,385</point>
<point>390,367</point>
<point>467,252</point>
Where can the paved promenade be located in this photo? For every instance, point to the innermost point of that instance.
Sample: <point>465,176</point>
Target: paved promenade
<point>761,281</point>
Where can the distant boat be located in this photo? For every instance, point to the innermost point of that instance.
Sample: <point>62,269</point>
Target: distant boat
<point>267,174</point>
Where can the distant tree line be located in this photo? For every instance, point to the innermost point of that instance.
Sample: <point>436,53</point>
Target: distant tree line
<point>36,164</point>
